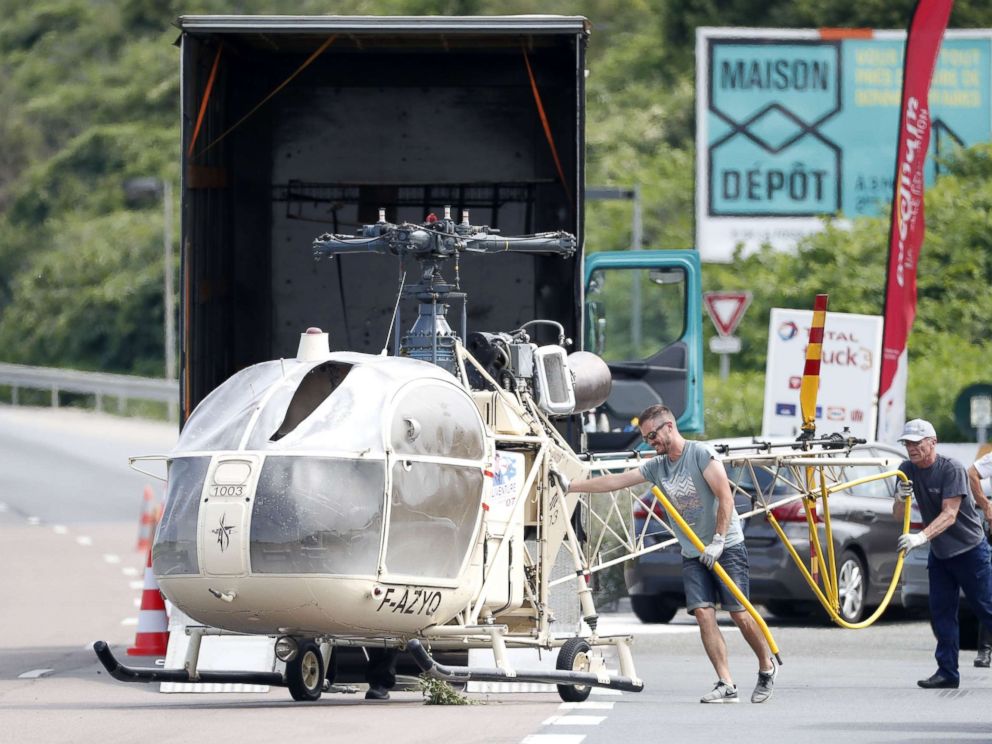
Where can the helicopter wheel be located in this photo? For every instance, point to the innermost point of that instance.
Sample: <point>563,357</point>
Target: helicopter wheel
<point>305,673</point>
<point>574,657</point>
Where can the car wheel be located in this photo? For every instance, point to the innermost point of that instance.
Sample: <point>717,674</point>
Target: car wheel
<point>852,586</point>
<point>653,608</point>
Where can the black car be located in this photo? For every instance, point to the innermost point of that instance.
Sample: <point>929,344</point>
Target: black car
<point>864,531</point>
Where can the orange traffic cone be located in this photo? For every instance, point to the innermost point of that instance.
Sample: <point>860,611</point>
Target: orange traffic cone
<point>146,526</point>
<point>152,638</point>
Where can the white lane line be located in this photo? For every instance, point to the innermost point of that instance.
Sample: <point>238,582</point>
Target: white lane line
<point>129,571</point>
<point>111,558</point>
<point>605,691</point>
<point>587,705</point>
<point>129,621</point>
<point>574,721</point>
<point>35,673</point>
<point>137,602</point>
<point>60,529</point>
<point>553,739</point>
<point>136,584</point>
<point>34,520</point>
<point>84,540</point>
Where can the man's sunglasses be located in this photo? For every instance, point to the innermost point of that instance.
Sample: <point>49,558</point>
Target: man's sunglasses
<point>653,434</point>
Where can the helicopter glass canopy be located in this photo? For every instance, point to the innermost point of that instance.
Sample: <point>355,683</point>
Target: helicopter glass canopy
<point>174,550</point>
<point>437,419</point>
<point>434,509</point>
<point>317,515</point>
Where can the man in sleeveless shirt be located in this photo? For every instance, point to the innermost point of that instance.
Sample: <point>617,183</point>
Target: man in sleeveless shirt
<point>959,553</point>
<point>696,483</point>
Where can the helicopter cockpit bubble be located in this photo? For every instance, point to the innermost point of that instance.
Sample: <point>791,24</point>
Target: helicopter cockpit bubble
<point>337,474</point>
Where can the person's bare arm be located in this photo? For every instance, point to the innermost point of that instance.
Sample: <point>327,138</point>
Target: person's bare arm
<point>975,482</point>
<point>948,515</point>
<point>715,476</point>
<point>608,482</point>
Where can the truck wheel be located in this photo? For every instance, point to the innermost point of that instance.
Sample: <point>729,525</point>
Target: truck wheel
<point>852,586</point>
<point>574,657</point>
<point>652,608</point>
<point>305,673</point>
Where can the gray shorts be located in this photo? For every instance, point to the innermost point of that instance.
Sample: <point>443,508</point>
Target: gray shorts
<point>704,589</point>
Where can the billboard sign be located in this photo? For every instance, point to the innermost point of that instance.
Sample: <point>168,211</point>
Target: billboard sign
<point>795,126</point>
<point>849,364</point>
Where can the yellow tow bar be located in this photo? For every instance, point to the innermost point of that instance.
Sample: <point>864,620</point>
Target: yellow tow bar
<point>831,601</point>
<point>718,570</point>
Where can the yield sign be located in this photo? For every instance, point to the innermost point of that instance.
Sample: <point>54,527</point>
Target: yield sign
<point>726,309</point>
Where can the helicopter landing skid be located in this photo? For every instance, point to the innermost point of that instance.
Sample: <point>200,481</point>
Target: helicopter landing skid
<point>461,674</point>
<point>123,673</point>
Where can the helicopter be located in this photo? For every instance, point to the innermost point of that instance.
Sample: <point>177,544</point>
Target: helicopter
<point>419,502</point>
<point>411,502</point>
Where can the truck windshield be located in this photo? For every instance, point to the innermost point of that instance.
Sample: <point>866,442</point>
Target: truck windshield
<point>633,313</point>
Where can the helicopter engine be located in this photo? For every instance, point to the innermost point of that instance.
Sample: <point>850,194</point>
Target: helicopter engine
<point>561,383</point>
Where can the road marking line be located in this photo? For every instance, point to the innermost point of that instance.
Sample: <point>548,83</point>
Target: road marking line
<point>574,721</point>
<point>587,705</point>
<point>111,558</point>
<point>84,540</point>
<point>34,520</point>
<point>553,739</point>
<point>129,621</point>
<point>136,584</point>
<point>137,601</point>
<point>35,673</point>
<point>60,529</point>
<point>129,571</point>
<point>605,691</point>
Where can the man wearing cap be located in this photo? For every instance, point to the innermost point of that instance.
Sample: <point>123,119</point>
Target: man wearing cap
<point>959,554</point>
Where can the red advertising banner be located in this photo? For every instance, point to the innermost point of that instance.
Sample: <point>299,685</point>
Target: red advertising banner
<point>926,31</point>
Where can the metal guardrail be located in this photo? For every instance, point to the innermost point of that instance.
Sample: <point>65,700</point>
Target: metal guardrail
<point>98,384</point>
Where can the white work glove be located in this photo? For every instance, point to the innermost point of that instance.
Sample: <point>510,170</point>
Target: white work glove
<point>912,540</point>
<point>904,491</point>
<point>713,551</point>
<point>563,483</point>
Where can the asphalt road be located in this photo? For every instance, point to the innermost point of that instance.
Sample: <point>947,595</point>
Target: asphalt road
<point>69,511</point>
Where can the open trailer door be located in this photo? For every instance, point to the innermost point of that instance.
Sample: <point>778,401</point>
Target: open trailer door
<point>643,317</point>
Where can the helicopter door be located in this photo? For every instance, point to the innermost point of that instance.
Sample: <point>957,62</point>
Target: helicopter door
<point>224,518</point>
<point>638,319</point>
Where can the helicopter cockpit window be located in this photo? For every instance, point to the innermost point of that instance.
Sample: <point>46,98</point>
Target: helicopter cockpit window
<point>437,420</point>
<point>633,313</point>
<point>433,515</point>
<point>219,422</point>
<point>317,516</point>
<point>174,551</point>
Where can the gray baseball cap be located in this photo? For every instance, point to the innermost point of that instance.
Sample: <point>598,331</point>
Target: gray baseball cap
<point>916,430</point>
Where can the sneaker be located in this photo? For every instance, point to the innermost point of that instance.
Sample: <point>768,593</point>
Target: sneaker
<point>721,693</point>
<point>766,682</point>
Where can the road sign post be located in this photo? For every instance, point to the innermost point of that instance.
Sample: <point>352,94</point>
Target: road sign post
<point>725,310</point>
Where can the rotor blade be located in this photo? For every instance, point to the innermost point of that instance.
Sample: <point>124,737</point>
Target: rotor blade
<point>811,373</point>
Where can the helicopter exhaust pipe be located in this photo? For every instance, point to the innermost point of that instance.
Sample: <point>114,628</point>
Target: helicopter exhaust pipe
<point>546,676</point>
<point>147,674</point>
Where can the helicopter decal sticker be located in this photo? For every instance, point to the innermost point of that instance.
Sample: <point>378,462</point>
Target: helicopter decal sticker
<point>223,533</point>
<point>417,602</point>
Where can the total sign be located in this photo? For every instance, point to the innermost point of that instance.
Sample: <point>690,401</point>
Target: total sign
<point>849,369</point>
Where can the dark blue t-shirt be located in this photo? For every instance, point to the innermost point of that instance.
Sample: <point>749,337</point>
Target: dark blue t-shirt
<point>945,479</point>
